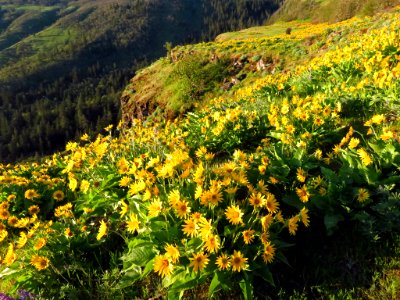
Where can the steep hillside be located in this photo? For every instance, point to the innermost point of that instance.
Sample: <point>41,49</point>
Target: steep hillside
<point>170,88</point>
<point>63,64</point>
<point>276,175</point>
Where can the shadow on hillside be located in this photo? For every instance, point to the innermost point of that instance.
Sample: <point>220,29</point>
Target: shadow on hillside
<point>322,266</point>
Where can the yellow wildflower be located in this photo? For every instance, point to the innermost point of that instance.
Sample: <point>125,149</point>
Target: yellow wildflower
<point>238,261</point>
<point>301,175</point>
<point>58,195</point>
<point>234,215</point>
<point>271,203</point>
<point>365,158</point>
<point>212,243</point>
<point>163,266</point>
<point>23,238</point>
<point>31,194</point>
<point>40,243</point>
<point>34,209</point>
<point>248,236</point>
<point>124,181</point>
<point>353,143</point>
<point>199,261</point>
<point>124,208</point>
<point>189,228</point>
<point>269,252</point>
<point>155,208</point>
<point>10,255</point>
<point>182,209</point>
<point>362,195</point>
<point>68,233</point>
<point>133,224</point>
<point>304,217</point>
<point>40,262</point>
<point>257,200</point>
<point>84,187</point>
<point>303,193</point>
<point>223,262</point>
<point>102,230</point>
<point>172,252</point>
<point>292,225</point>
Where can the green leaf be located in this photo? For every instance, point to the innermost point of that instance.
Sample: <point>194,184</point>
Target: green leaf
<point>349,159</point>
<point>282,258</point>
<point>190,281</point>
<point>7,271</point>
<point>148,268</point>
<point>215,284</point>
<point>331,222</point>
<point>390,180</point>
<point>246,287</point>
<point>265,274</point>
<point>195,243</point>
<point>177,275</point>
<point>329,174</point>
<point>298,154</point>
<point>140,252</point>
<point>130,276</point>
<point>376,147</point>
<point>175,294</point>
<point>361,216</point>
<point>275,135</point>
<point>371,176</point>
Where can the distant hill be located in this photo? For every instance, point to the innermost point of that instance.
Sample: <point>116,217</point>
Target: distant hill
<point>64,63</point>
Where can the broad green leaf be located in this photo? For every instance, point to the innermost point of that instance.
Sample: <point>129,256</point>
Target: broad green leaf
<point>195,243</point>
<point>282,258</point>
<point>266,274</point>
<point>246,287</point>
<point>177,275</point>
<point>139,253</point>
<point>175,294</point>
<point>361,216</point>
<point>214,285</point>
<point>370,175</point>
<point>390,180</point>
<point>148,268</point>
<point>329,174</point>
<point>331,222</point>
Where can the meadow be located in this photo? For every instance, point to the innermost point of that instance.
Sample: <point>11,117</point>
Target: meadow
<point>286,186</point>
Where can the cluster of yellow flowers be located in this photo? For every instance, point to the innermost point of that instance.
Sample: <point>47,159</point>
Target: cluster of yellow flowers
<point>24,231</point>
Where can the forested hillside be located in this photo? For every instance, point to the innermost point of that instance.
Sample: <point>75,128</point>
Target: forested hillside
<point>63,64</point>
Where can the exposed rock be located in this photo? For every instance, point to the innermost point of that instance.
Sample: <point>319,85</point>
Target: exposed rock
<point>261,65</point>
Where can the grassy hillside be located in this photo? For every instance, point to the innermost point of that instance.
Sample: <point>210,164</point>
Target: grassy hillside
<point>63,64</point>
<point>329,10</point>
<point>282,184</point>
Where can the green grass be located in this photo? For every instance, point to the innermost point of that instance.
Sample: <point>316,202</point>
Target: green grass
<point>262,31</point>
<point>329,10</point>
<point>43,49</point>
<point>23,7</point>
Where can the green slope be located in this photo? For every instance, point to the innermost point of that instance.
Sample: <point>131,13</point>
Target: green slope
<point>329,10</point>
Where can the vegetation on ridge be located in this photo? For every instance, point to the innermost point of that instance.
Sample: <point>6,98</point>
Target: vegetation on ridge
<point>329,10</point>
<point>285,186</point>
